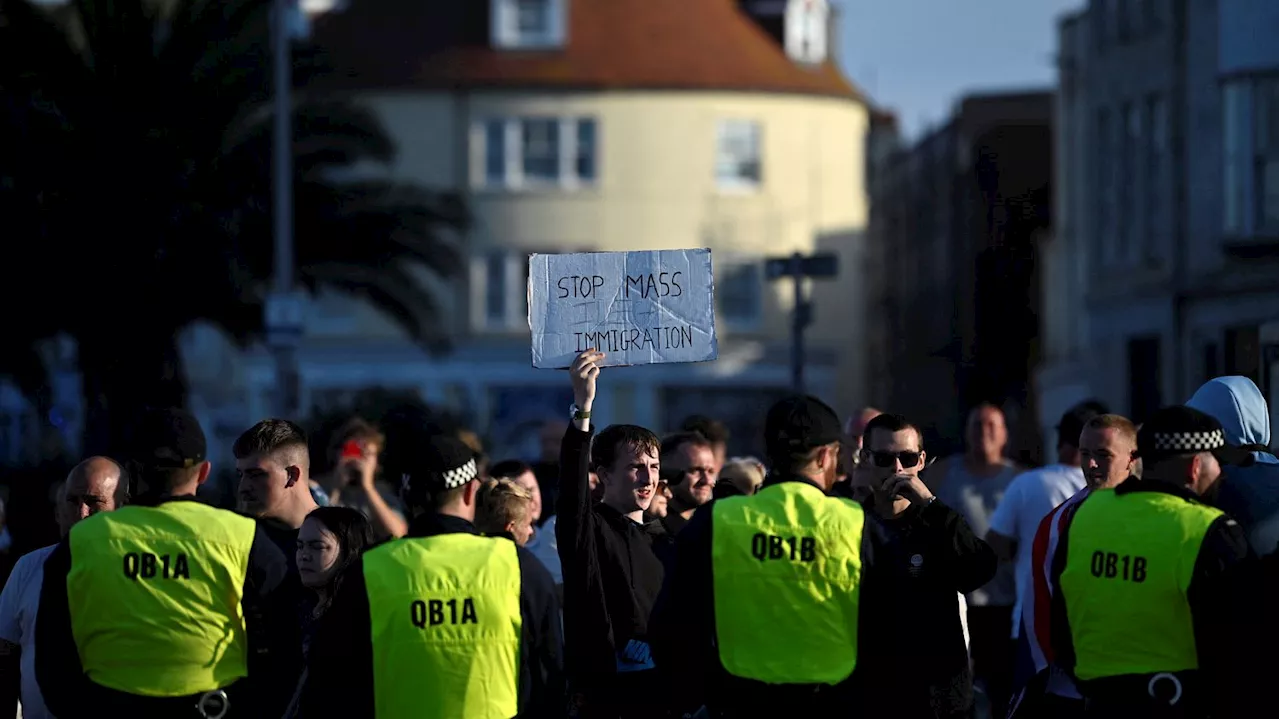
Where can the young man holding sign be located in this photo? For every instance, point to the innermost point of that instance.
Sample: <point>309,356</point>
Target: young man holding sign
<point>611,575</point>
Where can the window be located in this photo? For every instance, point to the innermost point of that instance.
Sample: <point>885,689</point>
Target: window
<point>584,153</point>
<point>806,30</point>
<point>1266,156</point>
<point>540,149</point>
<point>739,293</point>
<point>1208,361</point>
<point>738,154</point>
<point>1123,13</point>
<point>1149,14</point>
<point>1130,129</point>
<point>1235,151</point>
<point>1104,186</point>
<point>495,290</point>
<point>1250,157</point>
<point>1243,350</point>
<point>1156,136</point>
<point>499,294</point>
<point>534,152</point>
<point>1108,22</point>
<point>527,24</point>
<point>495,163</point>
<point>1144,377</point>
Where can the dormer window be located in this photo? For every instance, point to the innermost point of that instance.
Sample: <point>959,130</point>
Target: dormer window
<point>806,30</point>
<point>528,24</point>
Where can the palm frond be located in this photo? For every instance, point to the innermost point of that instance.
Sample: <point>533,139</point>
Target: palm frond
<point>391,289</point>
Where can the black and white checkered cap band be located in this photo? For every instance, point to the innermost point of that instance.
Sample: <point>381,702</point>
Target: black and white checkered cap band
<point>452,479</point>
<point>460,476</point>
<point>1189,441</point>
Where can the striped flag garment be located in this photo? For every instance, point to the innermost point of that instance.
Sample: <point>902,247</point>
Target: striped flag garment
<point>1035,614</point>
<point>1035,611</point>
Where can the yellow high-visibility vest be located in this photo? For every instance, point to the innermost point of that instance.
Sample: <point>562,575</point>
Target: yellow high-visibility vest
<point>787,574</point>
<point>444,612</point>
<point>155,598</point>
<point>1129,562</point>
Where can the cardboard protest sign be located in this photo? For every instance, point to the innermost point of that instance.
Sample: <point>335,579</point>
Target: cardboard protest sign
<point>638,307</point>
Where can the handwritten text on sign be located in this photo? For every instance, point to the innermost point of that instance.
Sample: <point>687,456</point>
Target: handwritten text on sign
<point>639,307</point>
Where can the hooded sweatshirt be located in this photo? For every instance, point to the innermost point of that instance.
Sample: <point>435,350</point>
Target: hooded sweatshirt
<point>1250,494</point>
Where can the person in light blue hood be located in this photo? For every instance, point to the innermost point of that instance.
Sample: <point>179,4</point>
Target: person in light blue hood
<point>1250,494</point>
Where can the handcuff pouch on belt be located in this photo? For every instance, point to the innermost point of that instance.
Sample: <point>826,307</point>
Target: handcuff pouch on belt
<point>1155,682</point>
<point>213,705</point>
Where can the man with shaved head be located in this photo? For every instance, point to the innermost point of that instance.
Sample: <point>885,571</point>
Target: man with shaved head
<point>97,484</point>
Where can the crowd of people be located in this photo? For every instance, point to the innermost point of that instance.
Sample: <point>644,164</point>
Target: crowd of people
<point>639,575</point>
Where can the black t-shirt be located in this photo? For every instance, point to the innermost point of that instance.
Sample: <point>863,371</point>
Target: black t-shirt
<point>295,600</point>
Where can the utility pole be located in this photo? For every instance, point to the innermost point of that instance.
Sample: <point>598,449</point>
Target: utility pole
<point>798,267</point>
<point>284,307</point>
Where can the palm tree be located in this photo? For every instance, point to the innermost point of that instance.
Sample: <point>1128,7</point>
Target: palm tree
<point>135,192</point>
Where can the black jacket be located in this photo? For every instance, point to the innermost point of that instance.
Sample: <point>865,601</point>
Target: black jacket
<point>1225,601</point>
<point>612,575</point>
<point>684,630</point>
<point>69,693</point>
<point>340,663</point>
<point>916,662</point>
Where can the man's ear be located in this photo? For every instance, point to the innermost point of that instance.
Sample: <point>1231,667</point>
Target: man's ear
<point>1194,469</point>
<point>294,474</point>
<point>203,475</point>
<point>469,492</point>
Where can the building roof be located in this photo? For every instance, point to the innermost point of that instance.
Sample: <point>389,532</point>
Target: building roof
<point>611,44</point>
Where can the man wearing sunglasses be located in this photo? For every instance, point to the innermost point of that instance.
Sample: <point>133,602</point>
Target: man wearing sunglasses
<point>932,554</point>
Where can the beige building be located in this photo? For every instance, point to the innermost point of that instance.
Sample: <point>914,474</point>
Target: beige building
<point>572,125</point>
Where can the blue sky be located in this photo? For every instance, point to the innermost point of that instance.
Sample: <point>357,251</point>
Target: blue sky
<point>917,57</point>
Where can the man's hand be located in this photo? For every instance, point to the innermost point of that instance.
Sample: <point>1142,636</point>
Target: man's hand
<point>360,471</point>
<point>908,486</point>
<point>583,375</point>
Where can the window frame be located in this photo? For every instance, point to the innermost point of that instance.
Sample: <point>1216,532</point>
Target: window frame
<point>806,26</point>
<point>737,184</point>
<point>1104,166</point>
<point>505,33</point>
<point>1155,146</point>
<point>515,311</point>
<point>1247,160</point>
<point>568,150</point>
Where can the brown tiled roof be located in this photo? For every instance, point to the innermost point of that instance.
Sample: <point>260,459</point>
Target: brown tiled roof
<point>612,44</point>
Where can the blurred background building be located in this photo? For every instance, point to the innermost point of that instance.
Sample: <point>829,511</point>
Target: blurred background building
<point>1161,270</point>
<point>582,126</point>
<point>1114,236</point>
<point>952,288</point>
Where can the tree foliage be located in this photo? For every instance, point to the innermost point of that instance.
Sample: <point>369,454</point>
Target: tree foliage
<point>135,183</point>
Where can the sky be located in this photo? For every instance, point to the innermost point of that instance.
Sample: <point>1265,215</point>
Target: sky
<point>918,57</point>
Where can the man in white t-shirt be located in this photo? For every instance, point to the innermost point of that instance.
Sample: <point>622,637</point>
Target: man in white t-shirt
<point>1032,495</point>
<point>95,485</point>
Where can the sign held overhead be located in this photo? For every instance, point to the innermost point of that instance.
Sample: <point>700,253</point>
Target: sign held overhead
<point>648,307</point>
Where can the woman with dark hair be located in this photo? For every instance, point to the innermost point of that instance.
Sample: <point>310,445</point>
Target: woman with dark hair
<point>329,540</point>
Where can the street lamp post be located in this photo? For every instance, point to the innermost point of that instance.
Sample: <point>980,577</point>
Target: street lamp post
<point>798,267</point>
<point>283,307</point>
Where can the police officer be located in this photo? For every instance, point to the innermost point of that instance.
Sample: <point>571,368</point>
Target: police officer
<point>766,590</point>
<point>443,623</point>
<point>1150,583</point>
<point>156,609</point>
